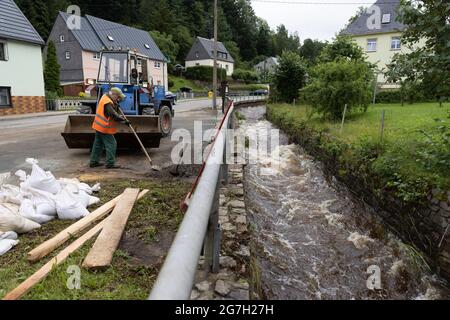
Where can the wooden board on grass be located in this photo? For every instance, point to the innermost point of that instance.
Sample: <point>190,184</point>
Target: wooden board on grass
<point>101,253</point>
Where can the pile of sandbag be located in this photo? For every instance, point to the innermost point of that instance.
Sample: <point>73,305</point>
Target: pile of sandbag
<point>38,199</point>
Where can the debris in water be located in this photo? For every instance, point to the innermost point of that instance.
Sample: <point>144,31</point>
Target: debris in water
<point>359,240</point>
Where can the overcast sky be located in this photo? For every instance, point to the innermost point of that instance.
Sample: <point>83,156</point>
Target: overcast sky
<point>315,21</point>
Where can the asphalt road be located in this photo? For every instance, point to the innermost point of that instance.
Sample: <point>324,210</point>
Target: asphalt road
<point>40,138</point>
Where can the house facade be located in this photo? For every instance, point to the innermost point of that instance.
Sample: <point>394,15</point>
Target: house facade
<point>381,39</point>
<point>21,64</point>
<point>266,67</point>
<point>78,50</point>
<point>202,54</point>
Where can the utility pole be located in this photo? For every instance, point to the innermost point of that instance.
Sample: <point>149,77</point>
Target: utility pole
<point>215,58</point>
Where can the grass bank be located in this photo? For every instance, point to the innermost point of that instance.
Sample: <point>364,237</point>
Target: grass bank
<point>410,160</point>
<point>149,232</point>
<point>180,82</point>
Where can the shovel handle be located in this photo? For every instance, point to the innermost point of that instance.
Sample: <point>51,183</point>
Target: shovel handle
<point>137,138</point>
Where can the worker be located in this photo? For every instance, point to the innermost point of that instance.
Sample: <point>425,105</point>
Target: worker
<point>105,126</point>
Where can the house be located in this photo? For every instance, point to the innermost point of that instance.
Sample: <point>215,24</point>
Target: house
<point>266,67</point>
<point>380,38</point>
<point>202,54</point>
<point>21,65</point>
<point>78,50</point>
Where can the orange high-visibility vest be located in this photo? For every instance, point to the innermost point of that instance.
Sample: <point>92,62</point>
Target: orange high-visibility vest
<point>101,122</point>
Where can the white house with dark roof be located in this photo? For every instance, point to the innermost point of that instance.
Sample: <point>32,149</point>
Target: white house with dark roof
<point>266,67</point>
<point>21,65</point>
<point>78,50</point>
<point>379,36</point>
<point>202,54</point>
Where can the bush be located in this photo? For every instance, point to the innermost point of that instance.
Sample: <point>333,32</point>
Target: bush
<point>335,84</point>
<point>245,75</point>
<point>289,76</point>
<point>389,96</point>
<point>204,73</point>
<point>171,83</point>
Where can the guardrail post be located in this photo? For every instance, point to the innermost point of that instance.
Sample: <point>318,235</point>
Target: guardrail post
<point>212,253</point>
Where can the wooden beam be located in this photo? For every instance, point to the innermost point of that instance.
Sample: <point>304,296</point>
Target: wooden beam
<point>48,246</point>
<point>101,253</point>
<point>25,286</point>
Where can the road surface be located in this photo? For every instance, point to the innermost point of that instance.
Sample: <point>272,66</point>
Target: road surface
<point>40,138</point>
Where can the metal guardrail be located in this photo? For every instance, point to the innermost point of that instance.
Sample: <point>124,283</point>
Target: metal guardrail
<point>200,226</point>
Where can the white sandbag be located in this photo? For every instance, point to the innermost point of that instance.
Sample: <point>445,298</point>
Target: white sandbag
<point>68,208</point>
<point>27,210</point>
<point>41,179</point>
<point>8,235</point>
<point>93,200</point>
<point>4,176</point>
<point>43,202</point>
<point>9,208</point>
<point>11,194</point>
<point>88,189</point>
<point>70,184</point>
<point>17,223</point>
<point>22,175</point>
<point>81,197</point>
<point>6,245</point>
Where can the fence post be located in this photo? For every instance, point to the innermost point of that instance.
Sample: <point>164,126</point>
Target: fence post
<point>382,125</point>
<point>343,119</point>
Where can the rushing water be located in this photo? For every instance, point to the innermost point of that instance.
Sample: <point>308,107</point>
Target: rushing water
<point>314,241</point>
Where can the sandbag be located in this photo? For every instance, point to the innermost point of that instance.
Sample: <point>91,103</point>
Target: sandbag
<point>41,179</point>
<point>4,176</point>
<point>16,223</point>
<point>68,208</point>
<point>6,245</point>
<point>27,210</point>
<point>9,208</point>
<point>22,175</point>
<point>10,194</point>
<point>8,235</point>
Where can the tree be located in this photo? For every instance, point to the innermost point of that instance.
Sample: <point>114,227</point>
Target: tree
<point>289,76</point>
<point>51,70</point>
<point>337,83</point>
<point>166,44</point>
<point>341,47</point>
<point>311,50</point>
<point>428,21</point>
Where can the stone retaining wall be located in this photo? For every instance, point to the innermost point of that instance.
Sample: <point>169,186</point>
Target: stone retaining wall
<point>231,283</point>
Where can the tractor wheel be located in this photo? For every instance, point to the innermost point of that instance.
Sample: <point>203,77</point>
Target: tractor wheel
<point>165,120</point>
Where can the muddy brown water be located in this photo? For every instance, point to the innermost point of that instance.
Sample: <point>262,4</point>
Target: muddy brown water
<point>313,240</point>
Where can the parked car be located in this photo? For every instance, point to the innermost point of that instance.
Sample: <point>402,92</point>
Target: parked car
<point>259,92</point>
<point>171,96</point>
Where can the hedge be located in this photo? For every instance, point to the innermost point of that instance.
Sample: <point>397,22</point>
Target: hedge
<point>204,73</point>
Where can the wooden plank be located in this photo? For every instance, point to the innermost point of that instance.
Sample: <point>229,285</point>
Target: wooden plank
<point>48,246</point>
<point>25,286</point>
<point>101,253</point>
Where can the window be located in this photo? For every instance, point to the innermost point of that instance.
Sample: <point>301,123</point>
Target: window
<point>67,55</point>
<point>196,54</point>
<point>371,45</point>
<point>110,38</point>
<point>197,64</point>
<point>5,97</point>
<point>396,43</point>
<point>226,67</point>
<point>61,38</point>
<point>97,56</point>
<point>3,53</point>
<point>139,62</point>
<point>386,18</point>
<point>147,46</point>
<point>157,65</point>
<point>113,67</point>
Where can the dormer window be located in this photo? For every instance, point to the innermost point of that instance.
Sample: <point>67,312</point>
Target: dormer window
<point>110,38</point>
<point>386,18</point>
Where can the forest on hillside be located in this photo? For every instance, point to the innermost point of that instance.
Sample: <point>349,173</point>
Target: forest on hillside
<point>177,22</point>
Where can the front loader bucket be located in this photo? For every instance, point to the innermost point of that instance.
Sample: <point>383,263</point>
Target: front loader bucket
<point>79,134</point>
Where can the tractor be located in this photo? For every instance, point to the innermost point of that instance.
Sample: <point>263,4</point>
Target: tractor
<point>145,105</point>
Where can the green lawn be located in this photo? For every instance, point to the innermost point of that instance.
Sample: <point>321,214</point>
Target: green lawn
<point>400,122</point>
<point>413,155</point>
<point>180,82</point>
<point>134,269</point>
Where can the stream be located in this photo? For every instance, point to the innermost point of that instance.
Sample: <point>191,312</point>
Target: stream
<point>311,239</point>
